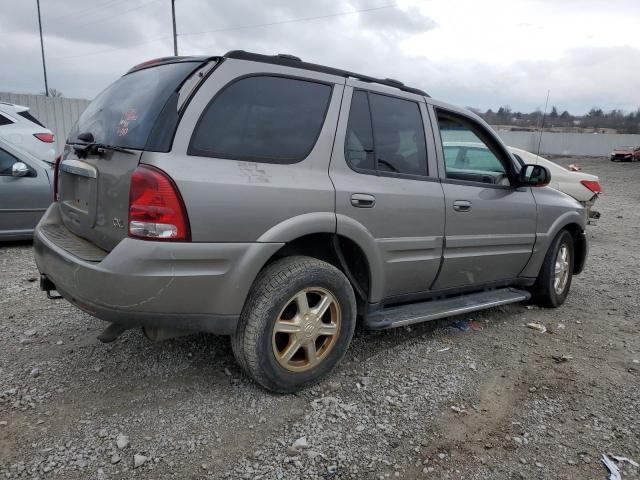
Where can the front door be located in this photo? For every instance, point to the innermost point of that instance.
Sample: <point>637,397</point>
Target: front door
<point>384,171</point>
<point>490,223</point>
<point>23,200</point>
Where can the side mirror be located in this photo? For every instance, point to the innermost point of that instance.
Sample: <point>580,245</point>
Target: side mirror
<point>19,169</point>
<point>534,176</point>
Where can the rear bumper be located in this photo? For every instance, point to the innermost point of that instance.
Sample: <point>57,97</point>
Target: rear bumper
<point>187,286</point>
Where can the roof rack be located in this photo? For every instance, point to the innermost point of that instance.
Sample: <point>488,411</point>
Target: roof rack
<point>293,61</point>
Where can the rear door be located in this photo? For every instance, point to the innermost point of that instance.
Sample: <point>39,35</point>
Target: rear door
<point>490,223</point>
<point>384,172</point>
<point>23,200</point>
<point>138,112</point>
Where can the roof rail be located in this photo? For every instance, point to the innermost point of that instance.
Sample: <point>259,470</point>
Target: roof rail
<point>295,62</point>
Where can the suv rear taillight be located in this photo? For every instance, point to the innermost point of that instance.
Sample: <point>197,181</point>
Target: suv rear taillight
<point>591,185</point>
<point>56,168</point>
<point>156,209</point>
<point>45,137</point>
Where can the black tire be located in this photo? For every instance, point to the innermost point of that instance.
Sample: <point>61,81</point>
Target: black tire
<point>544,291</point>
<point>273,290</point>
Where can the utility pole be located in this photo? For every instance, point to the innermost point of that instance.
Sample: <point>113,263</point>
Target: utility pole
<point>44,65</point>
<point>175,35</point>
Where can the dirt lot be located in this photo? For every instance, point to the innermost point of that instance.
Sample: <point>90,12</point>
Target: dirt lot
<point>488,398</point>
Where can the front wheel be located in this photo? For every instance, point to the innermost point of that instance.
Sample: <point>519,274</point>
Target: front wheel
<point>554,280</point>
<point>296,324</point>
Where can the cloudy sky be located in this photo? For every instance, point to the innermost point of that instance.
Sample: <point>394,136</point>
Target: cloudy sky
<point>468,52</point>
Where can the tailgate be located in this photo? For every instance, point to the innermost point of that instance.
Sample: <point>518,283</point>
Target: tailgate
<point>94,195</point>
<point>139,112</point>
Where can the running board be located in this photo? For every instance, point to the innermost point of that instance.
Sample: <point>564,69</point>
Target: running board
<point>434,309</point>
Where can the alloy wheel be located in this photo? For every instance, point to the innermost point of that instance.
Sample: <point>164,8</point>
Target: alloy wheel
<point>561,273</point>
<point>306,329</point>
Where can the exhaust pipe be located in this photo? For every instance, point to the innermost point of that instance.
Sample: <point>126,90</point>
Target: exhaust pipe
<point>158,334</point>
<point>112,332</point>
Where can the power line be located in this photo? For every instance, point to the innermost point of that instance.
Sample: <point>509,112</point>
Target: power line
<point>295,20</point>
<point>105,19</point>
<point>98,52</point>
<point>242,27</point>
<point>82,12</point>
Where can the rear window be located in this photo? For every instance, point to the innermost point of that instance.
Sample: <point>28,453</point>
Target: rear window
<point>125,113</point>
<point>263,119</point>
<point>31,118</point>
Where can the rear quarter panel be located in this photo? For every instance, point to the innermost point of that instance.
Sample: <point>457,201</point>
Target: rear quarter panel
<point>242,201</point>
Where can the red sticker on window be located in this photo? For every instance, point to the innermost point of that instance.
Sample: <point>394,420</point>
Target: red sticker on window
<point>123,126</point>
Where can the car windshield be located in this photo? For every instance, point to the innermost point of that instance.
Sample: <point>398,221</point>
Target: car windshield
<point>624,147</point>
<point>124,114</point>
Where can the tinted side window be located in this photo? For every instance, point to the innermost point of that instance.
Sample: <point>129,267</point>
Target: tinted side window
<point>4,120</point>
<point>6,162</point>
<point>392,142</point>
<point>262,118</point>
<point>359,141</point>
<point>399,135</point>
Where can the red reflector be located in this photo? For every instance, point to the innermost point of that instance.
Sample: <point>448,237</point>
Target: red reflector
<point>56,168</point>
<point>591,185</point>
<point>45,137</point>
<point>156,209</point>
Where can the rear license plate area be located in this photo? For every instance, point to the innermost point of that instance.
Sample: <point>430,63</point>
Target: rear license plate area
<point>78,192</point>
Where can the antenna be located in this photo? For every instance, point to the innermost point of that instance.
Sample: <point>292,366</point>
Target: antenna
<point>546,103</point>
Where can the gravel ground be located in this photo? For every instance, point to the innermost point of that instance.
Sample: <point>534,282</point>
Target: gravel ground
<point>485,397</point>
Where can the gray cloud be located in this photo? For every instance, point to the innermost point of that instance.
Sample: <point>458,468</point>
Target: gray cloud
<point>87,51</point>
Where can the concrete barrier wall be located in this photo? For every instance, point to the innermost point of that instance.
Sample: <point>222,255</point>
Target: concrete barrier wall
<point>583,144</point>
<point>58,114</point>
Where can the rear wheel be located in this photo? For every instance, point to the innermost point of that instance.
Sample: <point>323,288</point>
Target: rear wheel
<point>554,280</point>
<point>296,324</point>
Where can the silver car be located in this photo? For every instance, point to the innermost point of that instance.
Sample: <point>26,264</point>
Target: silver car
<point>280,202</point>
<point>25,191</point>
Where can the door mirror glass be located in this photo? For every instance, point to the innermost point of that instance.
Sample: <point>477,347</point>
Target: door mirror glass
<point>19,169</point>
<point>534,176</point>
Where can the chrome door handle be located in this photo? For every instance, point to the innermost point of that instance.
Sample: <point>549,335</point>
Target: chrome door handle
<point>462,205</point>
<point>363,200</point>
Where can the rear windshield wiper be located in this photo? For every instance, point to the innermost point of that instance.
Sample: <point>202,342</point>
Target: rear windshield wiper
<point>84,149</point>
<point>90,147</point>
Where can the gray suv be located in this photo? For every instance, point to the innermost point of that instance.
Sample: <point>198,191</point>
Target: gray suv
<point>277,201</point>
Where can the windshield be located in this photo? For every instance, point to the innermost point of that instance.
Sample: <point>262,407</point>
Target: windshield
<point>124,114</point>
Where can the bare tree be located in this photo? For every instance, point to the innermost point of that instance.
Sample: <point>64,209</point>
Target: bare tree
<point>54,92</point>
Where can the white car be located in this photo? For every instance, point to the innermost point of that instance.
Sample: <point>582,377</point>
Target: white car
<point>582,186</point>
<point>19,127</point>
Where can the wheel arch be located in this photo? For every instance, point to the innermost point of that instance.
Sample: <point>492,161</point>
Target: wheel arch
<point>580,246</point>
<point>338,250</point>
<point>312,234</point>
<point>571,221</point>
